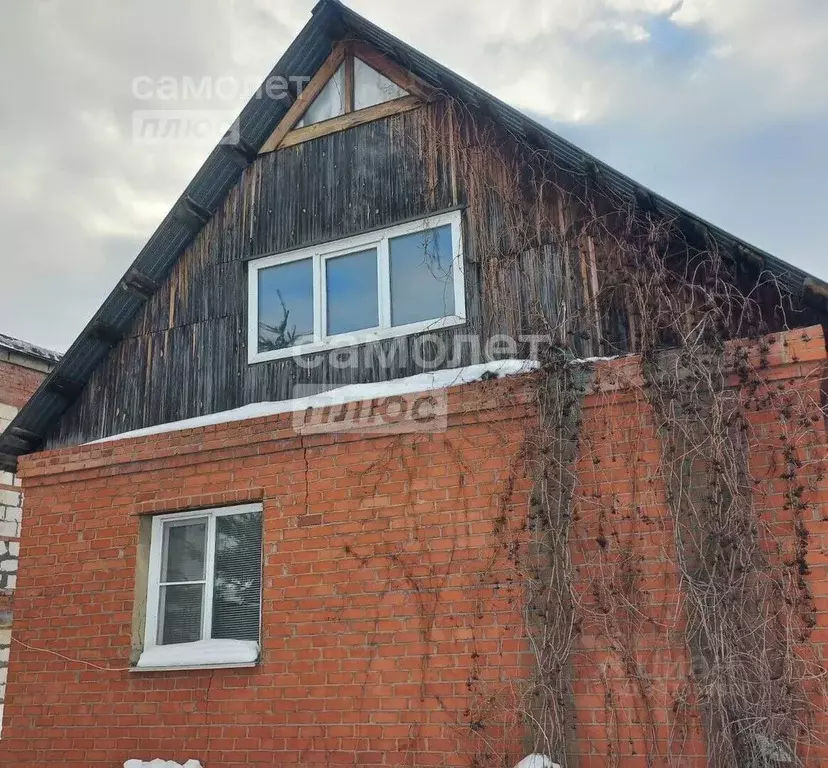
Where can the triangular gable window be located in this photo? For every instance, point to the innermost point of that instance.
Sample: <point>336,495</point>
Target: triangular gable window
<point>355,85</point>
<point>372,87</point>
<point>331,101</point>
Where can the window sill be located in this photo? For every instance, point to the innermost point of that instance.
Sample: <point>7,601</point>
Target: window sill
<point>203,654</point>
<point>357,338</point>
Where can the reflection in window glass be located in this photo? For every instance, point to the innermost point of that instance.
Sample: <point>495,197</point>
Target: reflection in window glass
<point>182,560</point>
<point>237,579</point>
<point>180,615</point>
<point>371,87</point>
<point>422,281</point>
<point>329,103</point>
<point>183,552</point>
<point>351,287</point>
<point>285,305</point>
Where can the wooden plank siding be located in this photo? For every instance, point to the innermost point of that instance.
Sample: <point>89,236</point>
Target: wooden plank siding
<point>186,354</point>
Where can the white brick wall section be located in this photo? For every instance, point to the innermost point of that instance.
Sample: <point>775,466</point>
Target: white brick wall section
<point>5,642</point>
<point>7,413</point>
<point>9,529</point>
<point>10,515</point>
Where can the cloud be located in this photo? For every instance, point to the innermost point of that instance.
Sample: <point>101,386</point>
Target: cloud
<point>719,105</point>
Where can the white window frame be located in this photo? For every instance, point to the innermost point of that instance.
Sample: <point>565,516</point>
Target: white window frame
<point>155,563</point>
<point>319,255</point>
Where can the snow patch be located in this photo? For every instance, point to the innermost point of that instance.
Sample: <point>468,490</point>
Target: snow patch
<point>25,348</point>
<point>198,654</point>
<point>422,382</point>
<point>537,761</point>
<point>159,763</point>
<point>589,360</point>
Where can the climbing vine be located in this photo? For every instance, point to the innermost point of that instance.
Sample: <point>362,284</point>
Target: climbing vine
<point>563,256</point>
<point>631,279</point>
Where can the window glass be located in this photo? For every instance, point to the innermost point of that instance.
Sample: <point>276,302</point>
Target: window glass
<point>422,279</point>
<point>180,615</point>
<point>182,560</point>
<point>285,305</point>
<point>237,581</point>
<point>329,103</point>
<point>370,286</point>
<point>183,554</point>
<point>218,552</point>
<point>371,87</point>
<point>351,288</point>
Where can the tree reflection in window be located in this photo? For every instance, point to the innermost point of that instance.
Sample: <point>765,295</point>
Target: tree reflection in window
<point>237,576</point>
<point>285,305</point>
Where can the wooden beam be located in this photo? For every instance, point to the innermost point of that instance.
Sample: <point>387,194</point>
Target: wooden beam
<point>105,333</point>
<point>343,122</point>
<point>8,462</point>
<point>393,71</point>
<point>816,286</point>
<point>240,151</point>
<point>191,214</point>
<point>26,434</point>
<point>138,283</point>
<point>16,443</point>
<point>645,200</point>
<point>349,80</point>
<point>305,99</point>
<point>66,388</point>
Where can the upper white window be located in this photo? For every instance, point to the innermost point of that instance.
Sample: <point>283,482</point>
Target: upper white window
<point>204,588</point>
<point>393,282</point>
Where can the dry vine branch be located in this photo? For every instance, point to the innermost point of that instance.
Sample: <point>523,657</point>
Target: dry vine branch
<point>633,280</point>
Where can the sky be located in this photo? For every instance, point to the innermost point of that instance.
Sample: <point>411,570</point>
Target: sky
<point>720,105</point>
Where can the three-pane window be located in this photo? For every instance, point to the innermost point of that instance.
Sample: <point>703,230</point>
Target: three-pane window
<point>397,281</point>
<point>205,576</point>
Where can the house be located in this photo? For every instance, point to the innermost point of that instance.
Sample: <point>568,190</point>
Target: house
<point>23,367</point>
<point>417,436</point>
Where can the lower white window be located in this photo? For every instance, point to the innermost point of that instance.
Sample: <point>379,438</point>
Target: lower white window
<point>204,588</point>
<point>393,282</point>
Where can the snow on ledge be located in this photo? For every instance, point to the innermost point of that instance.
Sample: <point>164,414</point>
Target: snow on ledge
<point>537,761</point>
<point>422,382</point>
<point>159,763</point>
<point>202,653</point>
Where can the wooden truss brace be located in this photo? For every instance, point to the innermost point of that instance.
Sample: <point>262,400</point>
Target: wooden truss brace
<point>419,92</point>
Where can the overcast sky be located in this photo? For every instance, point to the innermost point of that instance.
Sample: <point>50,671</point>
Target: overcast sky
<point>721,105</point>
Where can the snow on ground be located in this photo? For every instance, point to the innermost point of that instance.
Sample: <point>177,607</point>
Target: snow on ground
<point>422,382</point>
<point>537,761</point>
<point>159,763</point>
<point>199,653</point>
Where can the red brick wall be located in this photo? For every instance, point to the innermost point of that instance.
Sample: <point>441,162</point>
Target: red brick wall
<point>392,616</point>
<point>18,384</point>
<point>633,664</point>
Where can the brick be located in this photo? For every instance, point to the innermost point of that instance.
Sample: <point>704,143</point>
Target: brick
<point>9,498</point>
<point>392,613</point>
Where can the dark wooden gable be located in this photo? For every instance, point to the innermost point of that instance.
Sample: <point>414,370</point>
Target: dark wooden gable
<point>185,354</point>
<point>180,353</point>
